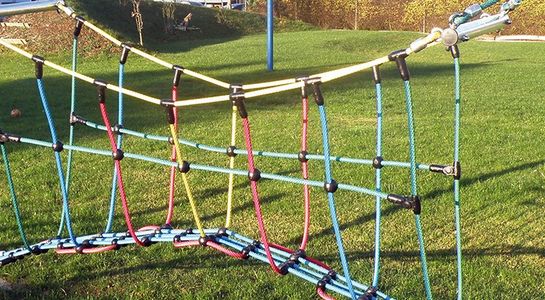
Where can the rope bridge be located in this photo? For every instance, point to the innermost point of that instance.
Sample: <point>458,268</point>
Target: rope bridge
<point>281,259</point>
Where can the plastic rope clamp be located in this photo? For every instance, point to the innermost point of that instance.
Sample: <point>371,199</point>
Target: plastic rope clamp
<point>75,119</point>
<point>101,89</point>
<point>79,25</point>
<point>178,71</point>
<point>124,53</point>
<point>331,187</point>
<point>399,57</point>
<point>250,248</point>
<point>285,267</point>
<point>327,279</point>
<point>377,78</point>
<point>203,241</point>
<point>117,129</point>
<point>377,162</point>
<point>8,137</point>
<point>222,232</point>
<point>318,96</point>
<point>302,156</point>
<point>169,106</point>
<point>409,202</point>
<point>39,65</point>
<point>454,170</point>
<point>58,147</point>
<point>185,167</point>
<point>231,151</point>
<point>370,294</point>
<point>238,100</point>
<point>254,175</point>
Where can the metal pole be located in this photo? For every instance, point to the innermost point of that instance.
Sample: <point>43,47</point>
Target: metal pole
<point>270,33</point>
<point>28,7</point>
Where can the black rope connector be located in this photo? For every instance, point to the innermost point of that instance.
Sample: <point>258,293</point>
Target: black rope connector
<point>36,250</point>
<point>185,167</point>
<point>167,227</point>
<point>203,240</point>
<point>377,162</point>
<point>126,49</point>
<point>147,241</point>
<point>303,156</point>
<point>79,25</point>
<point>169,107</point>
<point>222,232</point>
<point>231,151</point>
<point>295,256</point>
<point>178,71</point>
<point>84,245</point>
<point>238,100</point>
<point>327,279</point>
<point>118,155</point>
<point>58,147</point>
<point>117,129</point>
<point>400,58</point>
<point>171,140</point>
<point>189,231</point>
<point>8,137</point>
<point>331,187</point>
<point>250,248</point>
<point>115,242</point>
<point>409,202</point>
<point>455,51</point>
<point>101,89</point>
<point>285,267</point>
<point>377,78</point>
<point>318,96</point>
<point>304,79</point>
<point>455,170</point>
<point>39,64</point>
<point>370,294</point>
<point>75,119</point>
<point>254,175</point>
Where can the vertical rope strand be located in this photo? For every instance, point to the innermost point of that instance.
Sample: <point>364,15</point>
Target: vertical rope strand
<point>113,194</point>
<point>58,161</point>
<point>305,171</point>
<point>378,187</point>
<point>457,200</point>
<point>228,219</point>
<point>414,190</point>
<point>331,202</point>
<point>13,195</point>
<point>185,180</point>
<point>173,170</point>
<point>71,138</point>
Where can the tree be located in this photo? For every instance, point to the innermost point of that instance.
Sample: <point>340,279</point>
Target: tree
<point>169,17</point>
<point>138,20</point>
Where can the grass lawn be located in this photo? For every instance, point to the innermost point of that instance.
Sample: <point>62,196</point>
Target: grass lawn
<point>502,184</point>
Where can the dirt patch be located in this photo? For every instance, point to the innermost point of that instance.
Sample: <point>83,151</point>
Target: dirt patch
<point>51,32</point>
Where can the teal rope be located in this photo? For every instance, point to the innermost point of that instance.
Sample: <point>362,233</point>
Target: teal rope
<point>14,197</point>
<point>71,138</point>
<point>414,191</point>
<point>331,202</point>
<point>457,216</point>
<point>378,172</point>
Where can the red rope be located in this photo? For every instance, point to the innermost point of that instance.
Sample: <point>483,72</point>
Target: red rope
<point>255,196</point>
<point>92,250</point>
<point>312,260</point>
<point>120,183</point>
<point>186,244</point>
<point>223,250</point>
<point>173,170</point>
<point>322,293</point>
<point>304,166</point>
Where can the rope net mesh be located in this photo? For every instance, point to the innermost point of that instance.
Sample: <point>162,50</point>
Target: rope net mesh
<point>281,259</point>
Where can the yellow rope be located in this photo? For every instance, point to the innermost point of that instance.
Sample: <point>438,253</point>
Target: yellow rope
<point>231,166</point>
<point>186,181</point>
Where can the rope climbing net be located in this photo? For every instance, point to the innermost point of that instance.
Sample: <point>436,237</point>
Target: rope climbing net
<point>463,26</point>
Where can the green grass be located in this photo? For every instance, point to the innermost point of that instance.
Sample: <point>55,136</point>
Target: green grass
<point>502,154</point>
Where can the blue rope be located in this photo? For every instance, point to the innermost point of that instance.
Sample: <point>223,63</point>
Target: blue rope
<point>457,181</point>
<point>414,191</point>
<point>58,161</point>
<point>113,196</point>
<point>331,201</point>
<point>14,197</point>
<point>378,200</point>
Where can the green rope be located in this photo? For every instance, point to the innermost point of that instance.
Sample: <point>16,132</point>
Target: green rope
<point>14,197</point>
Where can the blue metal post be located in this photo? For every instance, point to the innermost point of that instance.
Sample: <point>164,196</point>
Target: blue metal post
<point>270,31</point>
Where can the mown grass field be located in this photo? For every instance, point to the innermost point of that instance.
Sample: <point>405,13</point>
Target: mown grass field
<point>502,154</point>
